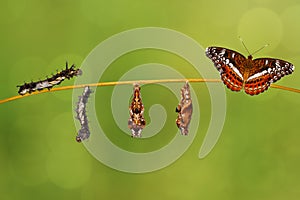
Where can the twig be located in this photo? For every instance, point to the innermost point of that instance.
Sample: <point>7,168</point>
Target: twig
<point>132,82</point>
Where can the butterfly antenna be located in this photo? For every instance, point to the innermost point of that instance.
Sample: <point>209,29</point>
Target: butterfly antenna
<point>260,49</point>
<point>244,45</point>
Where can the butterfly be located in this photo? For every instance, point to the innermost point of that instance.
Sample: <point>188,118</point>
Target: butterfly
<point>238,72</point>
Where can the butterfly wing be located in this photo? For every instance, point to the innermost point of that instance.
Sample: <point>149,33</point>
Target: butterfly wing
<point>230,65</point>
<point>264,72</point>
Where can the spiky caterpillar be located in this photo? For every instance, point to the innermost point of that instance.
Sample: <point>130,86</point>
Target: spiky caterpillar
<point>84,131</point>
<point>49,82</point>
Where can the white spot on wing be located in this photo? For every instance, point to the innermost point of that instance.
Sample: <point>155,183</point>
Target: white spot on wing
<point>270,70</point>
<point>236,71</point>
<point>266,62</point>
<point>277,64</point>
<point>222,52</point>
<point>257,75</point>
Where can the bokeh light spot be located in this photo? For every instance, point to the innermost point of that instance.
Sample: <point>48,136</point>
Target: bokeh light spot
<point>290,19</point>
<point>260,26</point>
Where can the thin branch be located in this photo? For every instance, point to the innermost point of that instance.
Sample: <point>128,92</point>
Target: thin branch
<point>285,88</point>
<point>130,83</point>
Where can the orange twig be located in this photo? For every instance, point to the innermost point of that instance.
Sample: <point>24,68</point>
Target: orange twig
<point>130,83</point>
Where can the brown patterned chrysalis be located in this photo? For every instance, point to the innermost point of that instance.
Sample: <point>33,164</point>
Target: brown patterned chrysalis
<point>184,110</point>
<point>136,122</point>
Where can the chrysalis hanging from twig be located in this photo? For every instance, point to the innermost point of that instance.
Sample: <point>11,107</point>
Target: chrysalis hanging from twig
<point>184,110</point>
<point>49,82</point>
<point>84,131</point>
<point>136,122</point>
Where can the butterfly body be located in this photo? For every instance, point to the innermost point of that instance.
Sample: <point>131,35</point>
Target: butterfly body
<point>253,75</point>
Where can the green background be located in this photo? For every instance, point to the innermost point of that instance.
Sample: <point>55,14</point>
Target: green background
<point>257,156</point>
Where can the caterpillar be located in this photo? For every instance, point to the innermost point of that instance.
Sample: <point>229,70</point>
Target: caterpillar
<point>49,82</point>
<point>184,110</point>
<point>84,131</point>
<point>136,122</point>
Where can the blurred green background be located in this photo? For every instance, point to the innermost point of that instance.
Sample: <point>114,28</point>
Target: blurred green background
<point>257,156</point>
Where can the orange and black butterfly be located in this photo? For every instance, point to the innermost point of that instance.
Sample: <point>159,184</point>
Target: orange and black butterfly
<point>238,72</point>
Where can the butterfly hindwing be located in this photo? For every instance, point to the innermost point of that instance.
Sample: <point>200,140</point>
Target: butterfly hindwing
<point>231,79</point>
<point>257,83</point>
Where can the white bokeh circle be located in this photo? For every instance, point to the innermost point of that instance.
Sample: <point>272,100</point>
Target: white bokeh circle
<point>260,26</point>
<point>290,17</point>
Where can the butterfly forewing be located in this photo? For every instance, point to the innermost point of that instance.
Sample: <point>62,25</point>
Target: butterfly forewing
<point>274,67</point>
